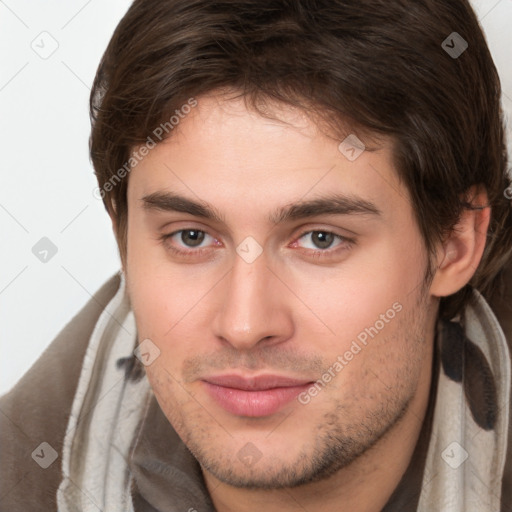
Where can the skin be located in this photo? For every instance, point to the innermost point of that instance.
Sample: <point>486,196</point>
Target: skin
<point>293,310</point>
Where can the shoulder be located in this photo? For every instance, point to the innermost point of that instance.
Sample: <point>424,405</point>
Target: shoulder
<point>36,410</point>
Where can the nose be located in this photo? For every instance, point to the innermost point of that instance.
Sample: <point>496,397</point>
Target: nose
<point>254,307</point>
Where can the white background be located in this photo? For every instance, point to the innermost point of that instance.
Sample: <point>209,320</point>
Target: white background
<point>46,180</point>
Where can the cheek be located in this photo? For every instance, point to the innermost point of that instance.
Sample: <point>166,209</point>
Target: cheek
<point>385,367</point>
<point>150,305</point>
<point>152,293</point>
<point>353,309</point>
<point>354,295</point>
<point>376,326</point>
<point>174,401</point>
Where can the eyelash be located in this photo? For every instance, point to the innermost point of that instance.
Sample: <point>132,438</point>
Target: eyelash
<point>346,244</point>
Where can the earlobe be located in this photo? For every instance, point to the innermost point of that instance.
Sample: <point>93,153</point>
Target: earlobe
<point>460,254</point>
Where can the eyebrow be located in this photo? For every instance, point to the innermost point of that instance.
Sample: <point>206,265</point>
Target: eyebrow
<point>334,204</point>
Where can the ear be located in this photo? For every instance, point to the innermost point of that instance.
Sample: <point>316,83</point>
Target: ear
<point>460,254</point>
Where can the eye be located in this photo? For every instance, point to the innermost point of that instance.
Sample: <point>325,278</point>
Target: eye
<point>322,243</point>
<point>189,238</point>
<point>321,239</point>
<point>192,237</point>
<point>196,242</point>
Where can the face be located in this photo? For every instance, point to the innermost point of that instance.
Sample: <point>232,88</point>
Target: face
<point>282,282</point>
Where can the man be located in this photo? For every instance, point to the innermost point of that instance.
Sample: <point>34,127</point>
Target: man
<point>311,204</point>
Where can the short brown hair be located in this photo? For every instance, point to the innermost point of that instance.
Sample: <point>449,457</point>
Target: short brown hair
<point>377,66</point>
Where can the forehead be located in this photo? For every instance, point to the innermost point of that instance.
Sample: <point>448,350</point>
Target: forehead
<point>225,154</point>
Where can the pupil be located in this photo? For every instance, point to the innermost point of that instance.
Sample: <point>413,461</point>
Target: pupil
<point>192,237</point>
<point>322,240</point>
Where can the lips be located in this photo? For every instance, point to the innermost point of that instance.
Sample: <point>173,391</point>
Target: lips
<point>258,396</point>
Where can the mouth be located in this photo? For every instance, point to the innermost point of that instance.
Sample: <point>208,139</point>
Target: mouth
<point>258,396</point>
